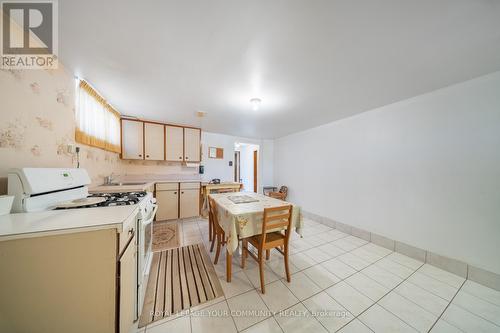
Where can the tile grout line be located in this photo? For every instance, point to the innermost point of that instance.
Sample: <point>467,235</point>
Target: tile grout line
<point>390,290</point>
<point>446,308</point>
<point>342,280</point>
<point>320,262</point>
<point>347,235</point>
<point>324,290</point>
<point>481,298</point>
<point>405,280</point>
<point>475,314</point>
<point>393,289</point>
<point>299,301</point>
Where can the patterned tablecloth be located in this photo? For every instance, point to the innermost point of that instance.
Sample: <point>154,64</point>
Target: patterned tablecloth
<point>241,220</point>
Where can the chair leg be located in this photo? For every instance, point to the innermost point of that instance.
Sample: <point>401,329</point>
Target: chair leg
<point>287,270</point>
<point>243,252</point>
<point>218,250</point>
<point>268,254</point>
<point>261,271</point>
<point>210,226</point>
<point>214,236</point>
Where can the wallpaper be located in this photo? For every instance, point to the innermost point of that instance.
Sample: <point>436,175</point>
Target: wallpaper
<point>37,122</point>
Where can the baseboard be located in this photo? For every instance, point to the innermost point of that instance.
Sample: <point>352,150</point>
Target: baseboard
<point>467,271</point>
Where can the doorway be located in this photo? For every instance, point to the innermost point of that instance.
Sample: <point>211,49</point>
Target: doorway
<point>246,161</point>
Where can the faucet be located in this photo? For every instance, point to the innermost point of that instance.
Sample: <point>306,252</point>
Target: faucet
<point>108,179</point>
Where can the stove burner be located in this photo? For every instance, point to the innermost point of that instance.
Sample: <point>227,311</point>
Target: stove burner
<point>115,199</point>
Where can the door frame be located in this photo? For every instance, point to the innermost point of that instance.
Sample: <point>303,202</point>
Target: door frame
<point>255,170</point>
<point>237,167</point>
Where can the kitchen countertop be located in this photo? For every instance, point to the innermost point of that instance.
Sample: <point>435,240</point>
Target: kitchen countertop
<point>25,225</point>
<point>220,184</point>
<point>140,187</point>
<point>121,188</point>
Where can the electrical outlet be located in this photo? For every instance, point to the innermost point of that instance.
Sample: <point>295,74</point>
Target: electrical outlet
<point>70,148</point>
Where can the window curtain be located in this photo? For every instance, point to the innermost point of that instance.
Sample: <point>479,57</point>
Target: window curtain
<point>97,123</point>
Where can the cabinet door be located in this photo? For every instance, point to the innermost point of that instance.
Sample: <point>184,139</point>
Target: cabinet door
<point>128,287</point>
<point>154,143</point>
<point>192,144</point>
<point>174,143</point>
<point>190,203</point>
<point>132,139</point>
<point>168,205</point>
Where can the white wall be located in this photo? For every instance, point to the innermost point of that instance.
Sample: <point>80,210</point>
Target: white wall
<point>425,171</point>
<point>219,168</point>
<point>266,156</point>
<point>246,166</point>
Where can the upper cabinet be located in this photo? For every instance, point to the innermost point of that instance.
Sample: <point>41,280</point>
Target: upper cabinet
<point>174,143</point>
<point>158,142</point>
<point>192,137</point>
<point>132,139</point>
<point>154,142</point>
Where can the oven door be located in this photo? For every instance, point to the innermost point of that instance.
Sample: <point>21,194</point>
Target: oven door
<point>144,245</point>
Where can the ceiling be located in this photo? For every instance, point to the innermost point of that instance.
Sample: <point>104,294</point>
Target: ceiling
<point>310,61</point>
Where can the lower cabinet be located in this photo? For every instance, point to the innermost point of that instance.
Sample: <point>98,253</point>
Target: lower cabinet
<point>69,282</point>
<point>189,203</point>
<point>167,198</point>
<point>177,200</point>
<point>127,269</point>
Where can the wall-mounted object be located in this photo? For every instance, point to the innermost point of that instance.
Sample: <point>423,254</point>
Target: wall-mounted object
<point>214,152</point>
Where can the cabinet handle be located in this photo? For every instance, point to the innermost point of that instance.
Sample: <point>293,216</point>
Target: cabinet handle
<point>147,155</point>
<point>182,192</point>
<point>175,192</point>
<point>140,155</point>
<point>187,157</point>
<point>180,157</point>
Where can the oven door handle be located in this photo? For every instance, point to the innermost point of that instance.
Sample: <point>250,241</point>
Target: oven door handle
<point>151,216</point>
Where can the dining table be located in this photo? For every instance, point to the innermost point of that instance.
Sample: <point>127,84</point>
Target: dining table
<point>240,215</point>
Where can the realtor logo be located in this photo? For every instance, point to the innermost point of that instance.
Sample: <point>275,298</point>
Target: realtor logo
<point>29,35</point>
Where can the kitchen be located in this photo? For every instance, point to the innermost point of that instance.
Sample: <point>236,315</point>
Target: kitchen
<point>259,167</point>
<point>170,172</point>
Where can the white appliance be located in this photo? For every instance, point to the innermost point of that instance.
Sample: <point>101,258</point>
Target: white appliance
<point>39,189</point>
<point>145,217</point>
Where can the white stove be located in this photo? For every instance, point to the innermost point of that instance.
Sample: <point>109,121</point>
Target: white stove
<point>40,189</point>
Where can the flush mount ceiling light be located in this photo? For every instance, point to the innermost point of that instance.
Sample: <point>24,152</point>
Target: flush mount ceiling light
<point>255,103</point>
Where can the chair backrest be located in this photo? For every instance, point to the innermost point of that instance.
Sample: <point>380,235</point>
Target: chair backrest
<point>213,214</point>
<point>225,190</point>
<point>277,218</point>
<point>284,190</point>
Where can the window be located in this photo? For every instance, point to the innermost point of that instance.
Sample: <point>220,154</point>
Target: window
<point>97,123</point>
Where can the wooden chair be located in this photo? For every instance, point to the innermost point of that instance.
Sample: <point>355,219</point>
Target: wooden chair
<point>274,218</point>
<point>218,232</point>
<point>226,190</point>
<point>211,229</point>
<point>210,224</point>
<point>281,194</point>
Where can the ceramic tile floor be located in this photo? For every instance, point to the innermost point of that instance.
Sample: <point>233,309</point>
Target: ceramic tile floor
<point>340,283</point>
